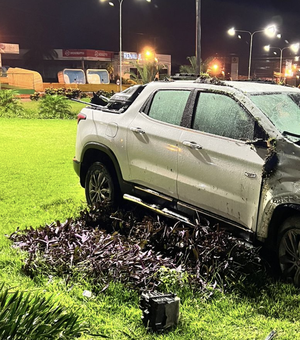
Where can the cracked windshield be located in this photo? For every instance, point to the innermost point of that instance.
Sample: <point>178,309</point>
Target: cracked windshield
<point>283,110</point>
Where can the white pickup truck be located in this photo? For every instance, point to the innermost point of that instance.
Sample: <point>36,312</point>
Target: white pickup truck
<point>229,150</point>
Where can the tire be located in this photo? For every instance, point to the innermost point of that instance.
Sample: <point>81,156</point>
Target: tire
<point>100,185</point>
<point>289,249</point>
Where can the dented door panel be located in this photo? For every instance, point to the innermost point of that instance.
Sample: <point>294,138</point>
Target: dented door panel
<point>223,177</point>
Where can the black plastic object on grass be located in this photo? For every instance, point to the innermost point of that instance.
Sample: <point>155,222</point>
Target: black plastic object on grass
<point>271,335</point>
<point>160,311</point>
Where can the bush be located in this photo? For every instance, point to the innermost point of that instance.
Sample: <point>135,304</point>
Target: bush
<point>10,106</point>
<point>35,96</point>
<point>36,316</point>
<point>83,95</point>
<point>73,93</point>
<point>50,91</point>
<point>105,93</point>
<point>69,93</point>
<point>54,106</point>
<point>61,91</point>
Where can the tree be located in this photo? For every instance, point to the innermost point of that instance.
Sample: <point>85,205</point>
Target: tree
<point>192,68</point>
<point>146,72</point>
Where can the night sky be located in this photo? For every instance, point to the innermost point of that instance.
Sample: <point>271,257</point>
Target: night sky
<point>167,25</point>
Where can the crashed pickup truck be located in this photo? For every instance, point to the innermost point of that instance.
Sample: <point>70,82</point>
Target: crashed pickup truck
<point>229,150</point>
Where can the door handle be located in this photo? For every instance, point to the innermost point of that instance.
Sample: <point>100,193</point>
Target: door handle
<point>137,130</point>
<point>192,145</point>
<point>250,174</point>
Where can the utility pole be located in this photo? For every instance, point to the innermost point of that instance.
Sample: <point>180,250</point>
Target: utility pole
<point>198,35</point>
<point>121,47</point>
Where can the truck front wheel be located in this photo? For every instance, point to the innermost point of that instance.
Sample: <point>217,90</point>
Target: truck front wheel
<point>289,249</point>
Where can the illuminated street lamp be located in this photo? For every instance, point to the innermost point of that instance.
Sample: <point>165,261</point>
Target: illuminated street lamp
<point>294,48</point>
<point>270,31</point>
<point>148,53</point>
<point>120,35</point>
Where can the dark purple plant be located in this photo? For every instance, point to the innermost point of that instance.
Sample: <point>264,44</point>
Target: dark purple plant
<point>126,246</point>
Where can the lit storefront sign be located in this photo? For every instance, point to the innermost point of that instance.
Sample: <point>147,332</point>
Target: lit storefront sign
<point>88,54</point>
<point>130,55</point>
<point>9,48</point>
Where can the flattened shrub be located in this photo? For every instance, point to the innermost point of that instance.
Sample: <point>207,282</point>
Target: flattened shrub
<point>106,245</point>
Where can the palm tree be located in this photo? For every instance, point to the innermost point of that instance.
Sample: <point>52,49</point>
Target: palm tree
<point>146,72</point>
<point>192,68</point>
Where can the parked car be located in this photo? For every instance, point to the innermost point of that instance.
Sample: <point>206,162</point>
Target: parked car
<point>229,150</point>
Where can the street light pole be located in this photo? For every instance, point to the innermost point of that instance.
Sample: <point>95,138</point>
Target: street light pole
<point>121,59</point>
<point>280,63</point>
<point>250,48</point>
<point>198,35</point>
<point>293,47</point>
<point>250,53</point>
<point>120,36</point>
<point>270,31</point>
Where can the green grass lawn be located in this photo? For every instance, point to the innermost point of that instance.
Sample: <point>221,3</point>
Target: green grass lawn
<point>39,186</point>
<point>37,158</point>
<point>31,107</point>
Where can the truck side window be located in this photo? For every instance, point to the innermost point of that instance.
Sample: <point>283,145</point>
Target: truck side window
<point>221,115</point>
<point>168,106</point>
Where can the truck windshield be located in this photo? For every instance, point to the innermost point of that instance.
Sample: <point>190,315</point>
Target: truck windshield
<point>283,110</point>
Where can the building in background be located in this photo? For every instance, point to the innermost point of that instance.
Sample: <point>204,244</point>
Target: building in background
<point>84,59</point>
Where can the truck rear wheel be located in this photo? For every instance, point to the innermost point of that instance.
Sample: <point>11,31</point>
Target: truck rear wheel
<point>100,185</point>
